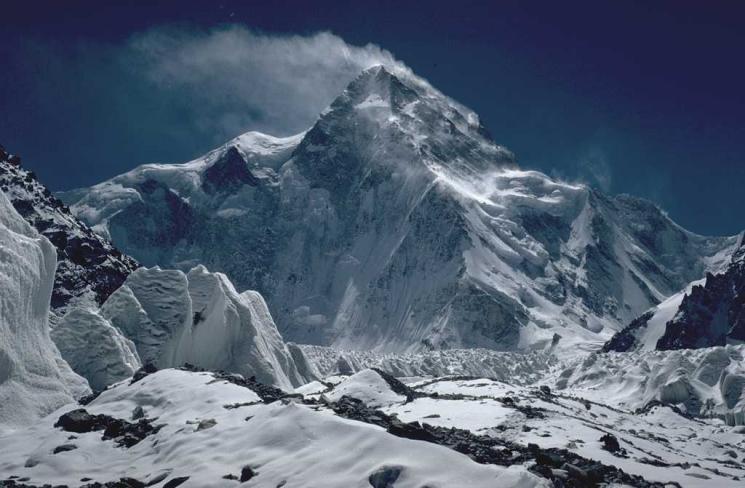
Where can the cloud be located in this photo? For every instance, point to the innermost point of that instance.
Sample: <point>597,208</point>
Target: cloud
<point>166,95</point>
<point>231,79</point>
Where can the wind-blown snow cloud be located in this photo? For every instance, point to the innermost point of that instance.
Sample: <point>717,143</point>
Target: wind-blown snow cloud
<point>233,79</point>
<point>172,93</point>
<point>594,168</point>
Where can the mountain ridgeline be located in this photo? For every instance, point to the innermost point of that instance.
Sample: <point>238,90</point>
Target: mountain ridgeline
<point>709,312</point>
<point>88,266</point>
<point>396,224</point>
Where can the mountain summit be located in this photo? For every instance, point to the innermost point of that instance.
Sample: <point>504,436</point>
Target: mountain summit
<point>395,223</point>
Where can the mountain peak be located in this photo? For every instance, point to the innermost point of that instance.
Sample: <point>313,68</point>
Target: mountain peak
<point>228,172</point>
<point>376,88</point>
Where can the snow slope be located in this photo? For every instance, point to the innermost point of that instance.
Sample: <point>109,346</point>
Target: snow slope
<point>396,224</point>
<point>199,318</point>
<point>212,428</point>
<point>34,380</point>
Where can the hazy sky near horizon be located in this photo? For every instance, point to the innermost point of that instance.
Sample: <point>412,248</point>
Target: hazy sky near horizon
<point>633,97</point>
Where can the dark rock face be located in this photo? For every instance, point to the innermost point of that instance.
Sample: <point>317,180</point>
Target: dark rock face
<point>86,261</point>
<point>228,173</point>
<point>712,313</point>
<point>625,339</point>
<point>124,434</point>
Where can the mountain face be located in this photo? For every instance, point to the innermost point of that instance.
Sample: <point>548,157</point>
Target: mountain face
<point>396,224</point>
<point>709,312</point>
<point>88,266</point>
<point>34,380</point>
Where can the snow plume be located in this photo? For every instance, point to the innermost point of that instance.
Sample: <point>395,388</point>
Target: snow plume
<point>595,168</point>
<point>172,93</point>
<point>238,79</point>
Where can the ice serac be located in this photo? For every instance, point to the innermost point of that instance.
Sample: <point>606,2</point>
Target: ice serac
<point>94,348</point>
<point>705,382</point>
<point>34,380</point>
<point>199,318</point>
<point>89,268</point>
<point>396,224</point>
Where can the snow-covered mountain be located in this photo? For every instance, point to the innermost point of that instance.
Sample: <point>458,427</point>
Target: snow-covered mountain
<point>708,312</point>
<point>89,268</point>
<point>396,224</point>
<point>34,380</point>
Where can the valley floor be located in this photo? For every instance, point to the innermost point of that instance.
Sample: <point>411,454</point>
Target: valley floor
<point>366,428</point>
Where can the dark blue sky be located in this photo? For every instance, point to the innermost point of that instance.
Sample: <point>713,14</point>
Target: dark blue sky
<point>636,97</point>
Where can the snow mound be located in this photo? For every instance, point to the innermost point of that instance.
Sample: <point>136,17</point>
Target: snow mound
<point>94,348</point>
<point>289,444</point>
<point>701,382</point>
<point>199,318</point>
<point>368,386</point>
<point>34,380</point>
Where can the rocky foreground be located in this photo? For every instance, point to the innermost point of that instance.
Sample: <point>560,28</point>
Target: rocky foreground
<point>181,427</point>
